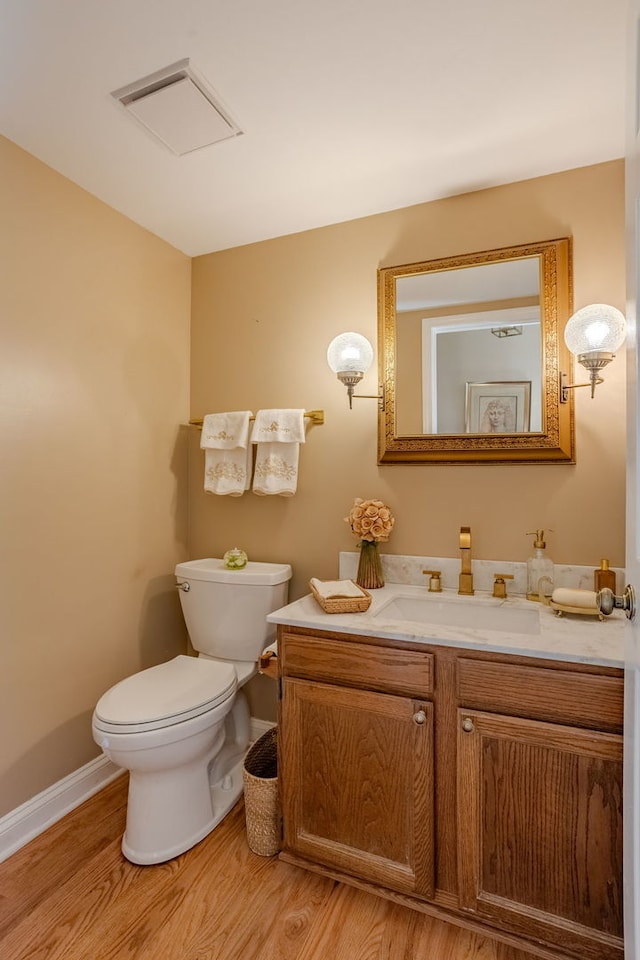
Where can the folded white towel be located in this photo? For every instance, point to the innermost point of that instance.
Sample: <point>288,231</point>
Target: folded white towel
<point>278,426</point>
<point>227,458</point>
<point>278,435</point>
<point>332,589</point>
<point>225,431</point>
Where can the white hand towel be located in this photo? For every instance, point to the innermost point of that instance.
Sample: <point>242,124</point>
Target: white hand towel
<point>329,589</point>
<point>278,435</point>
<point>227,458</point>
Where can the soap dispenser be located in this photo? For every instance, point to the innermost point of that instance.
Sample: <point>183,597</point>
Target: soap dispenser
<point>539,565</point>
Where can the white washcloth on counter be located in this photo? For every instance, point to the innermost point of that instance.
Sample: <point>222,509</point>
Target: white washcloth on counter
<point>333,589</point>
<point>277,435</point>
<point>227,458</point>
<point>568,597</point>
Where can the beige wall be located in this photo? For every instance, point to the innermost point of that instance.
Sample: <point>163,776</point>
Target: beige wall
<point>262,317</point>
<point>94,379</point>
<point>93,386</point>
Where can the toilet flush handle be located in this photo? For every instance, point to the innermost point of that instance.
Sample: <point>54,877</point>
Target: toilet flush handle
<point>183,586</point>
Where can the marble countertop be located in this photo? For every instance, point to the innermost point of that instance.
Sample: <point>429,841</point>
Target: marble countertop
<point>582,639</point>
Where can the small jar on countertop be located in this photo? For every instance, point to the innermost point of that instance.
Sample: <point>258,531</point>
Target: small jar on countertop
<point>604,577</point>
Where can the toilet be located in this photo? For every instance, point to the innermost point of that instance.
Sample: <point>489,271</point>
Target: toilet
<point>182,728</point>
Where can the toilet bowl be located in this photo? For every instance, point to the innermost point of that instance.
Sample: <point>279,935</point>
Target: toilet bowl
<point>182,728</point>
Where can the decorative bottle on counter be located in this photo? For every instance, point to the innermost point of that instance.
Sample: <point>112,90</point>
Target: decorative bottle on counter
<point>538,566</point>
<point>604,577</point>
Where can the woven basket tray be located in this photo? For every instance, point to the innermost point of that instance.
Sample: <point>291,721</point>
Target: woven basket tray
<point>343,604</point>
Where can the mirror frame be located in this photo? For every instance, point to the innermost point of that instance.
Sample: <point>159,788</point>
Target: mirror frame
<point>556,442</point>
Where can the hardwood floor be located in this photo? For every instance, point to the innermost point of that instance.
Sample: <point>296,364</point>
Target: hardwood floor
<point>71,895</point>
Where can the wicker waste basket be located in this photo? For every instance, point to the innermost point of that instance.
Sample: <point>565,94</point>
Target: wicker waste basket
<point>261,800</point>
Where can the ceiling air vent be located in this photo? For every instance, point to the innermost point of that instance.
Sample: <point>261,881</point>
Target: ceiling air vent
<point>177,107</point>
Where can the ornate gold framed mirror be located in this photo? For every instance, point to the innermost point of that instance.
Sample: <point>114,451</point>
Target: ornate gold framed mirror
<point>470,354</point>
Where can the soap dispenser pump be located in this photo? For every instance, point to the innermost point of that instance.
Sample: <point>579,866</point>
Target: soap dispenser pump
<point>539,565</point>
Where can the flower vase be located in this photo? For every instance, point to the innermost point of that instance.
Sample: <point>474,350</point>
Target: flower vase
<point>370,574</point>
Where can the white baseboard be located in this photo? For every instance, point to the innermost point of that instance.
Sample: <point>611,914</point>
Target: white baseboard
<point>32,818</point>
<point>258,727</point>
<point>24,823</point>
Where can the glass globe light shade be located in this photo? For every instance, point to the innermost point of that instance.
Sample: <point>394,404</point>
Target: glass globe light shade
<point>350,352</point>
<point>596,328</point>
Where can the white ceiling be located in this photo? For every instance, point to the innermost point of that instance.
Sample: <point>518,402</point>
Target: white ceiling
<point>348,107</point>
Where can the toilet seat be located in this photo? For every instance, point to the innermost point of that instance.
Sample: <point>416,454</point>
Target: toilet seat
<point>165,695</point>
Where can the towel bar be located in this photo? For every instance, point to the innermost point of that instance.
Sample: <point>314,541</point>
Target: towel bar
<point>316,416</point>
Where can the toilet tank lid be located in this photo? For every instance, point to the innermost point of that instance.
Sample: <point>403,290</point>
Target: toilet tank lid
<point>213,569</point>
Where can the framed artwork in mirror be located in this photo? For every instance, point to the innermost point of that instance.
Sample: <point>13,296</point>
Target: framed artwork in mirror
<point>499,407</point>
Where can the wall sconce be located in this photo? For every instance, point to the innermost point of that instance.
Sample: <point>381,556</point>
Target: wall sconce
<point>593,335</point>
<point>350,355</point>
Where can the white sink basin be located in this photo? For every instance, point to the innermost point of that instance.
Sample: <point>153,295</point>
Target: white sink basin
<point>468,613</point>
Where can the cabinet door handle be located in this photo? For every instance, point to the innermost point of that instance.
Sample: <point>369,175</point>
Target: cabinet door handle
<point>420,717</point>
<point>467,725</point>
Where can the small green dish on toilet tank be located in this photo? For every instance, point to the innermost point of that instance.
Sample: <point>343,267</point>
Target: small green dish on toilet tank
<point>235,559</point>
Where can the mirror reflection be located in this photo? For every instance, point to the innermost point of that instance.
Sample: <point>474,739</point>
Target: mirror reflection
<point>469,356</point>
<point>459,329</point>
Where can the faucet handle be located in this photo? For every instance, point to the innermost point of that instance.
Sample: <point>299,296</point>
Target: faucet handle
<point>499,585</point>
<point>435,583</point>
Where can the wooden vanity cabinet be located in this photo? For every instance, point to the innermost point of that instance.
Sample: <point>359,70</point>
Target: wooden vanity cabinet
<point>539,800</point>
<point>485,786</point>
<point>357,764</point>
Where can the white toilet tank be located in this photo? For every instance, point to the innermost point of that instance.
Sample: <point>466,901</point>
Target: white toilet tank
<point>225,610</point>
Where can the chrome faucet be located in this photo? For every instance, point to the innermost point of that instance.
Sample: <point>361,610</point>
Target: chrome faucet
<point>465,582</point>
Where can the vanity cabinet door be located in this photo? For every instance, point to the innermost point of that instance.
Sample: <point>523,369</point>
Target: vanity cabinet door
<point>540,830</point>
<point>357,775</point>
